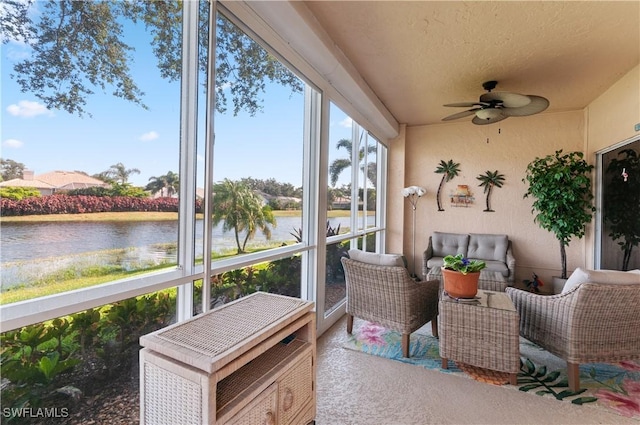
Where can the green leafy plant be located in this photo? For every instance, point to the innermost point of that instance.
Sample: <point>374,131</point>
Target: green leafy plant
<point>561,186</point>
<point>32,358</point>
<point>463,265</point>
<point>450,170</point>
<point>86,327</point>
<point>488,181</point>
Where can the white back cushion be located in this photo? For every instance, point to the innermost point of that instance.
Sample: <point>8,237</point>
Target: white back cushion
<point>377,259</point>
<point>580,276</point>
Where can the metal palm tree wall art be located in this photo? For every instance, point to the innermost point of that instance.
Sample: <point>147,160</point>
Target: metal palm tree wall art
<point>449,170</point>
<point>488,180</point>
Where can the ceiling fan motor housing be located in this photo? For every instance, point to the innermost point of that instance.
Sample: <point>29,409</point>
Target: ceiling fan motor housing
<point>489,85</point>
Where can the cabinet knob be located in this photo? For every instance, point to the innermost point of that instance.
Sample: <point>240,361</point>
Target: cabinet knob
<point>269,418</point>
<point>287,400</point>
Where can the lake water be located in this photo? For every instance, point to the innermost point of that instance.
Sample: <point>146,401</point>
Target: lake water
<point>30,250</point>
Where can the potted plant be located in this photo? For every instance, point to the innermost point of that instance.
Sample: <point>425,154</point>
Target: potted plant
<point>561,186</point>
<point>461,276</point>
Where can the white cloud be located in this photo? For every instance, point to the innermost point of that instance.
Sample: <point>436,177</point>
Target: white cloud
<point>17,51</point>
<point>12,143</point>
<point>225,86</point>
<point>346,122</point>
<point>147,137</point>
<point>28,109</point>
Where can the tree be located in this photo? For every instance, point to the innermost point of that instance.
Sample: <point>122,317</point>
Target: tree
<point>167,185</point>
<point>272,187</point>
<point>120,173</point>
<point>488,180</point>
<point>561,187</point>
<point>79,47</point>
<point>339,165</point>
<point>449,170</point>
<point>10,169</point>
<point>241,211</point>
<point>622,202</point>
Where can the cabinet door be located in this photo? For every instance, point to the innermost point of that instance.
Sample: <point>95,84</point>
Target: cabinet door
<point>261,411</point>
<point>295,390</point>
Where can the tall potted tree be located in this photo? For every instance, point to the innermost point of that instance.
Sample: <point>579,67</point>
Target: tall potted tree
<point>561,186</point>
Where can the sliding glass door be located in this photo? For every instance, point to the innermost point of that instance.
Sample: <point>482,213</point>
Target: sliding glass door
<point>618,217</point>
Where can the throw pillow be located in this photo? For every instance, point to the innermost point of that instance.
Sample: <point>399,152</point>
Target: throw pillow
<point>377,259</point>
<point>580,276</point>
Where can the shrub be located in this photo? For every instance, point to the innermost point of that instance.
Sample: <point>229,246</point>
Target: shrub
<point>18,193</point>
<point>67,204</point>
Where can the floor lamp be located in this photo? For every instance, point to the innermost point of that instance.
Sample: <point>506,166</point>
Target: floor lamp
<point>413,193</point>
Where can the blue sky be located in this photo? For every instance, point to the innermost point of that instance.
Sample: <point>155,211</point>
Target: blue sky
<point>265,146</point>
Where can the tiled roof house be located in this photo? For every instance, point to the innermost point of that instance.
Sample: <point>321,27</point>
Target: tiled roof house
<point>49,183</point>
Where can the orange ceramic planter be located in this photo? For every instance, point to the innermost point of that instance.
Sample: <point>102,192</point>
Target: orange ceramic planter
<point>459,285</point>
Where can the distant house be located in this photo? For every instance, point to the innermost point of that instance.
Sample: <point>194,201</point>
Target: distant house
<point>341,203</point>
<point>50,183</point>
<point>286,202</point>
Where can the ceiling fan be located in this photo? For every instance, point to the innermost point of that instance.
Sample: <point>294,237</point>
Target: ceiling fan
<point>496,106</point>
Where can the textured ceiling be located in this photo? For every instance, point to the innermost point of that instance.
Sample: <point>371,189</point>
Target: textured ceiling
<point>418,55</point>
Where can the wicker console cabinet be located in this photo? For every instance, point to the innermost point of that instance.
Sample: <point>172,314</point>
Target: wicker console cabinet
<point>252,361</point>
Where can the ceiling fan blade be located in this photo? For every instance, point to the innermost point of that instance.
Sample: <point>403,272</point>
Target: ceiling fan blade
<point>509,100</point>
<point>537,105</point>
<point>480,121</point>
<point>464,104</point>
<point>461,114</point>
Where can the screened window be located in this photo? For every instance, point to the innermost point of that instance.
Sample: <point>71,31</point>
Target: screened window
<point>94,141</point>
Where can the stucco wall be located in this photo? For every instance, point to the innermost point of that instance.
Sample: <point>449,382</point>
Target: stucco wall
<point>507,147</point>
<point>612,116</point>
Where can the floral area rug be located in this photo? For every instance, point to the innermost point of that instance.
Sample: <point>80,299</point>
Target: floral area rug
<point>611,386</point>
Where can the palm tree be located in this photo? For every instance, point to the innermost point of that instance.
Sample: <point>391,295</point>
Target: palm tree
<point>167,185</point>
<point>488,180</point>
<point>339,165</point>
<point>450,170</point>
<point>240,210</point>
<point>120,173</point>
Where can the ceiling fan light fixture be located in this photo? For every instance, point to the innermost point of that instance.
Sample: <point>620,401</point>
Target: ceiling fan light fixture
<point>488,113</point>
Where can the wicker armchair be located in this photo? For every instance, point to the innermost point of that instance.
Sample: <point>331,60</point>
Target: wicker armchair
<point>589,323</point>
<point>388,296</point>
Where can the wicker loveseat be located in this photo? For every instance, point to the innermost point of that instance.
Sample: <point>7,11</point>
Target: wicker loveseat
<point>596,318</point>
<point>494,250</point>
<point>380,290</point>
